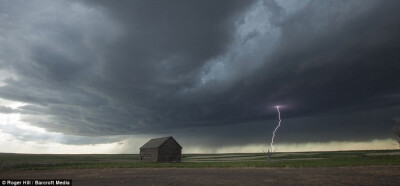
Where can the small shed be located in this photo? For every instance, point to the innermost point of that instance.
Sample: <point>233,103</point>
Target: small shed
<point>165,149</point>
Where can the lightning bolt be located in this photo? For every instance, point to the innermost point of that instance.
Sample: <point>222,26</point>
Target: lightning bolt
<point>273,134</point>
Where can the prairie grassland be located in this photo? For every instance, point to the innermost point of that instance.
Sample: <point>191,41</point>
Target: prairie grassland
<point>10,161</point>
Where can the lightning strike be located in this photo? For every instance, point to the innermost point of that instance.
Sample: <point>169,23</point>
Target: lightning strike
<point>279,124</point>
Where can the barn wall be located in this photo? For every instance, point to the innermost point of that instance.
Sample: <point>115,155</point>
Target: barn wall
<point>148,155</point>
<point>169,151</point>
<point>168,155</point>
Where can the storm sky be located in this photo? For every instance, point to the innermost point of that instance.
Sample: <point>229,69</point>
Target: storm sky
<point>210,73</point>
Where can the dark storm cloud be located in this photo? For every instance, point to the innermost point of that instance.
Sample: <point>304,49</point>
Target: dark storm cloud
<point>109,68</point>
<point>330,58</point>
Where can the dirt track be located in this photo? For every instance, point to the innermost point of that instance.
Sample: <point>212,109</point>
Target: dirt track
<point>371,175</point>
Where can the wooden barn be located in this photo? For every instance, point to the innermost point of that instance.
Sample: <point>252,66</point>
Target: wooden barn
<point>165,149</point>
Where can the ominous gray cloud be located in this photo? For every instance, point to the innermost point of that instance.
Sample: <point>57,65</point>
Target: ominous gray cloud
<point>98,68</point>
<point>6,110</point>
<point>41,137</point>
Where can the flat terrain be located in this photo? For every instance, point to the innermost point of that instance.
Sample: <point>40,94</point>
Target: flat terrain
<point>9,161</point>
<point>368,175</point>
<point>303,168</point>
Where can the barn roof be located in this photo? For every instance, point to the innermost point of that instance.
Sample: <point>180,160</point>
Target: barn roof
<point>157,142</point>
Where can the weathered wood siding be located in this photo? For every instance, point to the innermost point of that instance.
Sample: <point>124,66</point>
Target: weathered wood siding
<point>170,151</point>
<point>164,149</point>
<point>149,155</point>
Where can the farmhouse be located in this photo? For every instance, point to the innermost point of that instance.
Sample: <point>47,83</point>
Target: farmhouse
<point>165,149</point>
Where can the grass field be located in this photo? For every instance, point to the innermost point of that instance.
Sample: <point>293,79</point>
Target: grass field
<point>9,161</point>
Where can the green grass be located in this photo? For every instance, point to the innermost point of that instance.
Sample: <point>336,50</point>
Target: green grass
<point>288,160</point>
